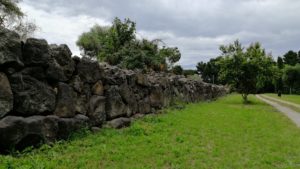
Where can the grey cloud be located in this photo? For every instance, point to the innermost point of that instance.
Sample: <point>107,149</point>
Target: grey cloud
<point>197,27</point>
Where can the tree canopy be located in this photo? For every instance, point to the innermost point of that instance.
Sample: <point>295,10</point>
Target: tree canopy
<point>291,77</point>
<point>210,71</point>
<point>177,70</point>
<point>9,10</point>
<point>291,58</point>
<point>246,70</point>
<point>12,17</point>
<point>118,45</point>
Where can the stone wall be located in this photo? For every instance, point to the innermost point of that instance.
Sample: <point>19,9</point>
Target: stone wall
<point>45,94</point>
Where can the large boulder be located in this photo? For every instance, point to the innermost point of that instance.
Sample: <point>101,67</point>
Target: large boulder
<point>65,101</point>
<point>31,96</point>
<point>119,123</point>
<point>67,126</point>
<point>36,52</point>
<point>89,71</point>
<point>61,66</point>
<point>115,107</point>
<point>36,71</point>
<point>77,84</point>
<point>80,104</point>
<point>6,96</point>
<point>96,111</point>
<point>113,75</point>
<point>130,77</point>
<point>141,79</point>
<point>19,132</point>
<point>144,106</point>
<point>157,97</point>
<point>129,98</point>
<point>10,49</point>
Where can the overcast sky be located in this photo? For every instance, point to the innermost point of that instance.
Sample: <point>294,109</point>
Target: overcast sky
<point>196,27</point>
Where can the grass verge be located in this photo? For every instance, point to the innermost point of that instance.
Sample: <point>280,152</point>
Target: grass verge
<point>286,97</point>
<point>220,134</point>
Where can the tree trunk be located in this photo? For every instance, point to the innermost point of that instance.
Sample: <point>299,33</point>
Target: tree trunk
<point>290,90</point>
<point>245,98</point>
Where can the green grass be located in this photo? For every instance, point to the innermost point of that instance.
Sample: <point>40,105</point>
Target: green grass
<point>221,134</point>
<point>286,97</point>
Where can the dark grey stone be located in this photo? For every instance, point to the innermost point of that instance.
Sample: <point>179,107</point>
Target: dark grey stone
<point>115,107</point>
<point>36,52</point>
<point>31,97</point>
<point>119,122</point>
<point>89,71</point>
<point>61,65</point>
<point>96,110</point>
<point>65,101</point>
<point>6,96</point>
<point>10,49</point>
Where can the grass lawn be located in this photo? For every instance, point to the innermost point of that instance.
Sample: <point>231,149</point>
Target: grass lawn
<point>286,97</point>
<point>220,134</point>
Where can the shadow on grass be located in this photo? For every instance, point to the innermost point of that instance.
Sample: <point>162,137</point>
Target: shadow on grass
<point>238,100</point>
<point>43,146</point>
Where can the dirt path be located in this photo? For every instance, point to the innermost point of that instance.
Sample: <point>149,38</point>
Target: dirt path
<point>292,114</point>
<point>281,101</point>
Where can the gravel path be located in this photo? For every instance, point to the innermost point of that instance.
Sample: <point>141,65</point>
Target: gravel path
<point>281,101</point>
<point>292,114</point>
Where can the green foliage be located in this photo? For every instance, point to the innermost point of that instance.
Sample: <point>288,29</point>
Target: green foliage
<point>251,70</point>
<point>122,32</point>
<point>280,63</point>
<point>291,58</point>
<point>210,71</point>
<point>12,17</point>
<point>9,11</point>
<point>172,55</point>
<point>203,135</point>
<point>177,70</point>
<point>291,77</point>
<point>118,45</point>
<point>142,54</point>
<point>245,70</point>
<point>189,72</point>
<point>95,42</point>
<point>105,43</point>
<point>277,81</point>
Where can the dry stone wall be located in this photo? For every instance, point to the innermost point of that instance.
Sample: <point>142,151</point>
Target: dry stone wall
<point>45,94</point>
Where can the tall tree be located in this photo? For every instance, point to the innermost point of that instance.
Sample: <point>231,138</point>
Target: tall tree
<point>245,70</point>
<point>291,58</point>
<point>118,45</point>
<point>280,63</point>
<point>291,76</point>
<point>278,80</point>
<point>210,71</point>
<point>200,67</point>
